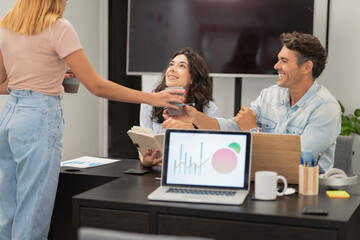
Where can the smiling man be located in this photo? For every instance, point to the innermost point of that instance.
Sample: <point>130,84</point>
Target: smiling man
<point>297,104</point>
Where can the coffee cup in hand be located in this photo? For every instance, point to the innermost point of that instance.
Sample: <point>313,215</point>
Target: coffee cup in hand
<point>71,85</point>
<point>266,185</point>
<point>172,111</point>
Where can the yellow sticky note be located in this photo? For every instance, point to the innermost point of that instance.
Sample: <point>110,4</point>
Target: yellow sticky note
<point>337,194</point>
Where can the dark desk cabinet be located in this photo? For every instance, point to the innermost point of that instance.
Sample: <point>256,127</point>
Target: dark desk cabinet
<point>122,205</point>
<point>123,220</point>
<point>225,229</point>
<point>72,183</point>
<point>69,186</point>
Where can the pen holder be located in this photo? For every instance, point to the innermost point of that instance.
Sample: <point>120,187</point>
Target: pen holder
<point>308,180</point>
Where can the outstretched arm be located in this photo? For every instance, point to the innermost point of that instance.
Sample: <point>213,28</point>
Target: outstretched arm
<point>191,115</point>
<point>175,123</point>
<point>85,72</point>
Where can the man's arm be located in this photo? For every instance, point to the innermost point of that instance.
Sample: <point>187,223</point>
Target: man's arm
<point>175,123</point>
<point>191,115</point>
<point>320,133</point>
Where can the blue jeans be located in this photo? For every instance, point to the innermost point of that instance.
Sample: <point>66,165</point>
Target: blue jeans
<point>31,128</point>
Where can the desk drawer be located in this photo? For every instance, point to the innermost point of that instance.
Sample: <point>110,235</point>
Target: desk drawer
<point>130,221</point>
<point>226,229</point>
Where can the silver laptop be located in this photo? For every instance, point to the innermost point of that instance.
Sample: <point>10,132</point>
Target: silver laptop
<point>205,166</point>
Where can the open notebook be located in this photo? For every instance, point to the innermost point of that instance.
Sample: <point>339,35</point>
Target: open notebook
<point>205,167</point>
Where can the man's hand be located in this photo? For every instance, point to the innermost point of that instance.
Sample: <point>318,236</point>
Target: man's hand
<point>189,114</point>
<point>174,123</point>
<point>246,119</point>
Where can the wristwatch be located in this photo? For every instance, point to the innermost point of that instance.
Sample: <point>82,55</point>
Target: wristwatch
<point>255,130</point>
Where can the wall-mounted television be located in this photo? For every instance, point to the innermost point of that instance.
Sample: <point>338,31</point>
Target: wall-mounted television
<point>237,38</point>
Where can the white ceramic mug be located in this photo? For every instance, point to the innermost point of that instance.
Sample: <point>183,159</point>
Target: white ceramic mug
<point>266,185</point>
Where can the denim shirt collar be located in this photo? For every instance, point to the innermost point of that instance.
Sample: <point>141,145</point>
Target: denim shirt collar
<point>285,98</point>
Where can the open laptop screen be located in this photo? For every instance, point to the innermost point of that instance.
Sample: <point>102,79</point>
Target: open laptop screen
<point>206,158</point>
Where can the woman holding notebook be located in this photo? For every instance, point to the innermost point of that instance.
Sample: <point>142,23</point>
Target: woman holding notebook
<point>186,69</point>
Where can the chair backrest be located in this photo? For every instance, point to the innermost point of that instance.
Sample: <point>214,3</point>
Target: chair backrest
<point>86,233</point>
<point>344,153</point>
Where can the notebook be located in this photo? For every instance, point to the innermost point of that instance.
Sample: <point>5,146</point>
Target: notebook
<point>280,153</point>
<point>204,166</point>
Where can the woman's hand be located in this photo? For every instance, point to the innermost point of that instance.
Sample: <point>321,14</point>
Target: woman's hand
<point>149,159</point>
<point>68,75</point>
<point>166,98</point>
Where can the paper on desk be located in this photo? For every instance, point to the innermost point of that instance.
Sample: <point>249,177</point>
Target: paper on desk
<point>86,162</point>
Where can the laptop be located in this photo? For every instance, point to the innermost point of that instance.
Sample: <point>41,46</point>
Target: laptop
<point>203,166</point>
<point>280,153</point>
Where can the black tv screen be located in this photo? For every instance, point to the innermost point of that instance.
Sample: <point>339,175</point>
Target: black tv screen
<point>235,37</point>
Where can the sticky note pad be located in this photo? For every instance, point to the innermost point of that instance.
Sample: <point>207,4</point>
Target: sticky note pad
<point>337,194</point>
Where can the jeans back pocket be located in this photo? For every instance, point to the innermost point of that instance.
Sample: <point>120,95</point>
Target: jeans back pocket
<point>26,124</point>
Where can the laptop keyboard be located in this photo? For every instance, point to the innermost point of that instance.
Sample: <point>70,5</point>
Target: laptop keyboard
<point>201,191</point>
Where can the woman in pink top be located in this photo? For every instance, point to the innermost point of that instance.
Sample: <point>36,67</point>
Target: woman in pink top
<point>36,47</point>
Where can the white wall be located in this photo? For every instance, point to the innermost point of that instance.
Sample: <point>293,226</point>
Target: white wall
<point>82,111</point>
<point>341,75</point>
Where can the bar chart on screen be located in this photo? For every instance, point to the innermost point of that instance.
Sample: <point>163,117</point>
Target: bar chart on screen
<point>186,164</point>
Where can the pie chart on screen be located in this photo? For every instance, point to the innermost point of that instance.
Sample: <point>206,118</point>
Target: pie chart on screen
<point>225,160</point>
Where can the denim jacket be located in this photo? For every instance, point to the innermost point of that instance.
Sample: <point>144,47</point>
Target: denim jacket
<point>316,117</point>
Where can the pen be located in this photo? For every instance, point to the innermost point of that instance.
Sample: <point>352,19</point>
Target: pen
<point>302,161</point>
<point>190,104</point>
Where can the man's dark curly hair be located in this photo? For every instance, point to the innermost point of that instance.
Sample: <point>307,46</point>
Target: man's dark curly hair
<point>308,47</point>
<point>200,89</point>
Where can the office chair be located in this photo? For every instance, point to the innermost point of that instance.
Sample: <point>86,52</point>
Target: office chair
<point>344,153</point>
<point>87,233</point>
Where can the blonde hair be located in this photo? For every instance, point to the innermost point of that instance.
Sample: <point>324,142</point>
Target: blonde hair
<point>30,17</point>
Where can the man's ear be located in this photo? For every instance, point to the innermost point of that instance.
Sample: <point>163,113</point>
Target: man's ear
<point>307,66</point>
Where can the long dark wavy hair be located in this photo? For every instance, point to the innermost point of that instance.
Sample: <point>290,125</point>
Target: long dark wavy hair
<point>199,90</point>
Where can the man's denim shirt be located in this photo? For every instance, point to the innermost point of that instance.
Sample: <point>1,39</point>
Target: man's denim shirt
<point>316,117</point>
